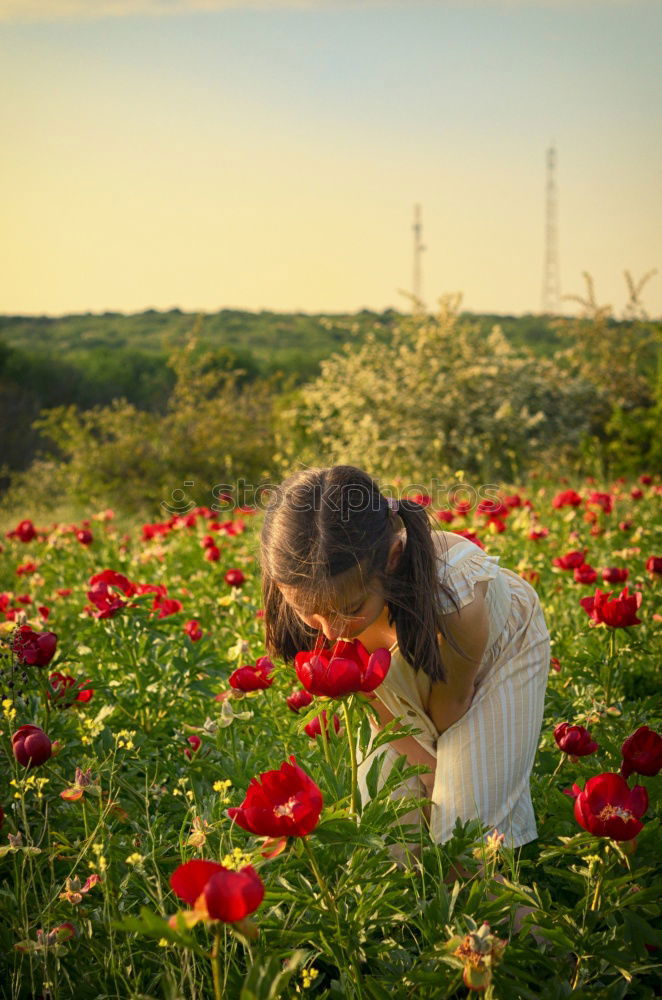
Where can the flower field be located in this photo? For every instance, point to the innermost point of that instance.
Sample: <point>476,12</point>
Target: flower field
<point>178,813</point>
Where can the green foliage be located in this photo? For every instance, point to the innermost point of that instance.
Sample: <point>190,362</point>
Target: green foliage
<point>440,395</point>
<point>212,431</point>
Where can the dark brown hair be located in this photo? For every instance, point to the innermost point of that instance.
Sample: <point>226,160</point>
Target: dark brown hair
<point>323,522</point>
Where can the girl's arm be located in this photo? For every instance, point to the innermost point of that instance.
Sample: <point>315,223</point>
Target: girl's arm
<point>469,627</point>
<point>409,747</point>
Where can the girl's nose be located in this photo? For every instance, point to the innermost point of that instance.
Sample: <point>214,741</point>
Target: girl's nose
<point>330,632</point>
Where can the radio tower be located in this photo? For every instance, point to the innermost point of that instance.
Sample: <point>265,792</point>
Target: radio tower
<point>551,293</point>
<point>418,250</point>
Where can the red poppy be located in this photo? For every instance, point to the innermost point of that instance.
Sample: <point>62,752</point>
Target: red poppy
<point>314,727</point>
<point>642,753</point>
<point>299,699</point>
<point>103,593</point>
<point>555,664</point>
<point>654,564</point>
<point>62,686</point>
<point>85,536</point>
<point>603,500</point>
<point>615,574</point>
<point>193,630</point>
<point>212,553</point>
<point>636,493</point>
<point>571,560</point>
<point>585,574</point>
<point>645,479</point>
<point>25,531</point>
<point>339,671</point>
<point>472,537</point>
<point>282,803</point>
<point>574,740</point>
<point>567,498</point>
<point>150,531</point>
<point>253,678</point>
<point>31,746</point>
<point>195,743</point>
<point>444,515</point>
<point>608,808</point>
<point>493,508</point>
<point>34,648</point>
<point>619,613</point>
<point>537,533</point>
<point>166,606</point>
<point>422,498</point>
<point>625,525</point>
<point>216,892</point>
<point>25,568</point>
<point>462,508</point>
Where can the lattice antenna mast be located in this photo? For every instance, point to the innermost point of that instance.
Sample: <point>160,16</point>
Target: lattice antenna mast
<point>418,250</point>
<point>551,291</point>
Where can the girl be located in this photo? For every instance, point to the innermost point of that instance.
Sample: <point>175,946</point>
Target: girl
<point>469,646</point>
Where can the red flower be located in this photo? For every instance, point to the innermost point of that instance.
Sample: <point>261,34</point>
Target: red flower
<point>34,648</point>
<point>339,671</point>
<point>471,537</point>
<point>615,574</point>
<point>314,727</point>
<point>253,678</point>
<point>568,498</point>
<point>619,613</point>
<point>84,536</point>
<point>636,493</point>
<point>571,560</point>
<point>193,630</point>
<point>422,498</point>
<point>25,531</point>
<point>287,803</point>
<point>216,892</point>
<point>150,531</point>
<point>462,508</point>
<point>585,574</point>
<point>608,808</point>
<point>195,742</point>
<point>642,753</point>
<point>493,508</point>
<point>625,525</point>
<point>213,554</point>
<point>654,564</point>
<point>574,740</point>
<point>166,606</point>
<point>234,578</point>
<point>537,533</point>
<point>555,664</point>
<point>299,699</point>
<point>444,515</point>
<point>603,500</point>
<point>61,685</point>
<point>31,746</point>
<point>103,593</point>
<point>645,479</point>
<point>25,568</point>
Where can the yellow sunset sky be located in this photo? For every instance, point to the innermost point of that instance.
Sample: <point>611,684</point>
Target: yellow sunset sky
<point>211,155</point>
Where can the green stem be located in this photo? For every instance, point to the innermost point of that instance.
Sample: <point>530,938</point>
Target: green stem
<point>352,758</point>
<point>331,904</point>
<point>558,768</point>
<point>325,737</point>
<point>611,663</point>
<point>598,886</point>
<point>216,963</point>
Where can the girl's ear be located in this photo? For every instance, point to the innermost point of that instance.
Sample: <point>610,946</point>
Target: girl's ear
<point>394,555</point>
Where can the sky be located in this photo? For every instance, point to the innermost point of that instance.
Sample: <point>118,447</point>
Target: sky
<point>210,154</point>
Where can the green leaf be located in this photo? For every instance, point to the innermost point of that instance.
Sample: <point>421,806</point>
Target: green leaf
<point>268,978</point>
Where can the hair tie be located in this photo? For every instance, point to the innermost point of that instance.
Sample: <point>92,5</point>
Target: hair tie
<point>393,503</point>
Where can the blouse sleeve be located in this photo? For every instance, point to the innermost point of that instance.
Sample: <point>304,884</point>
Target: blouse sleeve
<point>463,570</point>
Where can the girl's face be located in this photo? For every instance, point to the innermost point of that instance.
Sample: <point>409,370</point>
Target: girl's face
<point>352,610</point>
<point>356,604</point>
